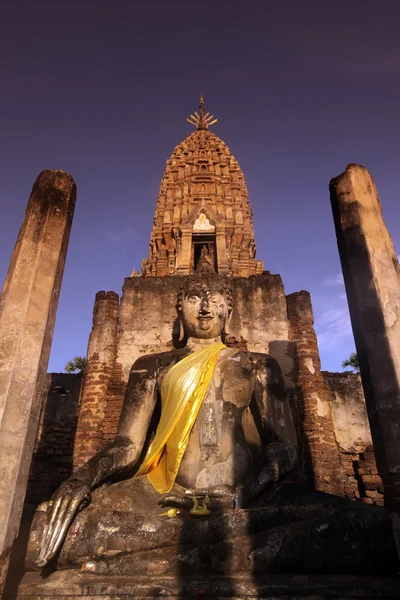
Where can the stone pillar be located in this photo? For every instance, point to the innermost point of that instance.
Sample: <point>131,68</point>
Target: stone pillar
<point>316,429</point>
<point>372,278</point>
<point>27,315</point>
<point>101,354</point>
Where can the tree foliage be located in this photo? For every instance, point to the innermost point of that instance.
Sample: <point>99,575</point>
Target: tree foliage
<point>76,365</point>
<point>352,362</point>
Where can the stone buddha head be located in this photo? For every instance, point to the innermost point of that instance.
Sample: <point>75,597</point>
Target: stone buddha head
<point>204,305</point>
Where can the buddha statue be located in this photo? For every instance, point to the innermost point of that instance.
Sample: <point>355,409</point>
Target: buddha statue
<point>184,485</point>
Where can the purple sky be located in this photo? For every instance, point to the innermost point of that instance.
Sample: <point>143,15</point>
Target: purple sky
<point>102,90</point>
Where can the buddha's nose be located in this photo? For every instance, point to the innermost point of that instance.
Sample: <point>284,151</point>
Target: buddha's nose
<point>204,308</point>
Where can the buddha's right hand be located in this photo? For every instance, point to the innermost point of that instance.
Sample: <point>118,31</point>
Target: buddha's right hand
<point>60,511</point>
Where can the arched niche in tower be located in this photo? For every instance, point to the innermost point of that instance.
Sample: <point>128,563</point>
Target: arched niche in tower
<point>203,223</point>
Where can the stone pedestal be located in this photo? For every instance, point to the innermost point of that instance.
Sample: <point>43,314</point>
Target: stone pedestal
<point>372,278</point>
<point>27,315</point>
<point>65,585</point>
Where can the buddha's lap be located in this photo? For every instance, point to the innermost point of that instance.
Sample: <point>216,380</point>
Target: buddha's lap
<point>135,494</point>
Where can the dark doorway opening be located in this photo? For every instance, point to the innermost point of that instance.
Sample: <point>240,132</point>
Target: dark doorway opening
<point>204,243</point>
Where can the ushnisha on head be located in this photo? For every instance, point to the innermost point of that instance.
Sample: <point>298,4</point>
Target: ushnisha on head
<point>204,305</point>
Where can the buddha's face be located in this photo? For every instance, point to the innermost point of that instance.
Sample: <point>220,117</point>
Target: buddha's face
<point>204,313</point>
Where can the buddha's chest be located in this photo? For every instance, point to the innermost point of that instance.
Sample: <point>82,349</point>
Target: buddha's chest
<point>228,394</point>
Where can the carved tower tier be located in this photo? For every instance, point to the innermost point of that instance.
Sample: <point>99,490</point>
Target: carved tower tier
<point>202,208</point>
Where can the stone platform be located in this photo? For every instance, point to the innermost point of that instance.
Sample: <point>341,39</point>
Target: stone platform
<point>69,584</point>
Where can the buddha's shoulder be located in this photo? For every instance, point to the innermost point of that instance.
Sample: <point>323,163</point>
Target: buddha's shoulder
<point>158,360</point>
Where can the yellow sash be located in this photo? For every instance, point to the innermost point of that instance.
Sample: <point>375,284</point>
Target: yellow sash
<point>182,392</point>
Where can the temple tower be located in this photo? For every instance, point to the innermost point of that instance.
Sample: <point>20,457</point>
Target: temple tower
<point>202,209</point>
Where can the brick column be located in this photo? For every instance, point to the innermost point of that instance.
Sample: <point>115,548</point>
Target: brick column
<point>28,307</point>
<point>317,439</point>
<point>101,357</point>
<point>372,277</point>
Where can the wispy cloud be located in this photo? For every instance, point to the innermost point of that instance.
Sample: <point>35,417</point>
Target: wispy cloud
<point>333,324</point>
<point>334,281</point>
<point>119,236</point>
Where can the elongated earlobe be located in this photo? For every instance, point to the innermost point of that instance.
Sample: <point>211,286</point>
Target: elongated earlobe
<point>226,327</point>
<point>181,331</point>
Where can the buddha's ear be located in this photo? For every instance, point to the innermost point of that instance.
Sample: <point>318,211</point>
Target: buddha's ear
<point>181,329</point>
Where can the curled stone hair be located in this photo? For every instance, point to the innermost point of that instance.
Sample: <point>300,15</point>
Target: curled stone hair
<point>205,279</point>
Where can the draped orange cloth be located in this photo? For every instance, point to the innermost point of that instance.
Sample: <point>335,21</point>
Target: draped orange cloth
<point>182,392</point>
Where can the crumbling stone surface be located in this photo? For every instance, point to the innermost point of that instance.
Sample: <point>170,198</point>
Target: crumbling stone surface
<point>28,307</point>
<point>372,277</point>
<point>353,436</point>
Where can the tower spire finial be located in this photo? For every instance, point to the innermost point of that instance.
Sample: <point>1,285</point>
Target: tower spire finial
<point>202,120</point>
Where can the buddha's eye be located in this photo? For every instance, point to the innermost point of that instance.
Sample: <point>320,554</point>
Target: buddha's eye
<point>193,299</point>
<point>215,297</point>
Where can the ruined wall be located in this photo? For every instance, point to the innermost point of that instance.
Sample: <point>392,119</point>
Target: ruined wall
<point>260,316</point>
<point>52,458</point>
<point>148,318</point>
<point>353,436</point>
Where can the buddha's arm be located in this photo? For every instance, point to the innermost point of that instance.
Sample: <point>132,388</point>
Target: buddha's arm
<point>123,452</point>
<point>137,410</point>
<point>273,417</point>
